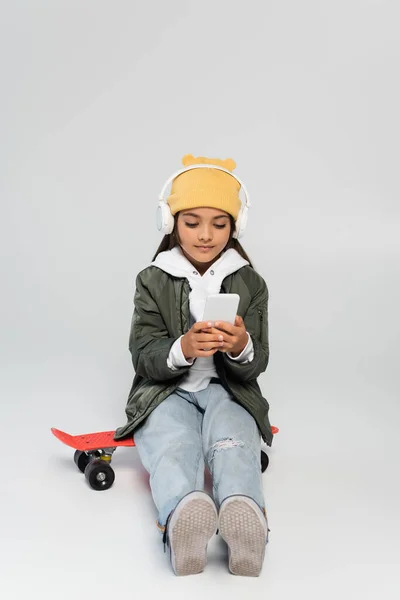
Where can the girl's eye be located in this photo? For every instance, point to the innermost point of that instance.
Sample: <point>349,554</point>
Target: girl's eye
<point>195,225</point>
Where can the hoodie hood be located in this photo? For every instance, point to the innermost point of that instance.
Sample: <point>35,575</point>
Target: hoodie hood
<point>176,264</point>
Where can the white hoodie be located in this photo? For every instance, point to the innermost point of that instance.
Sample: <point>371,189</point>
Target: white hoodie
<point>175,263</point>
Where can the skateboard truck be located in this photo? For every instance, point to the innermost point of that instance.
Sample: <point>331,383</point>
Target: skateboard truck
<point>106,453</point>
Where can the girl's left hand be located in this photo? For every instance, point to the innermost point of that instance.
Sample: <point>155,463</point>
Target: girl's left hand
<point>234,338</point>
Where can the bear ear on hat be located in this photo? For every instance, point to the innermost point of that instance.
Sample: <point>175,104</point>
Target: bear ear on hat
<point>229,164</point>
<point>189,159</point>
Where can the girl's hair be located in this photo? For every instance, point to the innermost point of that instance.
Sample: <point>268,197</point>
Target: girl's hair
<point>171,240</point>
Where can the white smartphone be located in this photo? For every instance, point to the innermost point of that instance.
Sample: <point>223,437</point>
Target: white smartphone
<point>221,307</point>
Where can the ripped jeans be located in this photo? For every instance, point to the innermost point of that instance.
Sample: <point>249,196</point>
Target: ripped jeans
<point>189,430</point>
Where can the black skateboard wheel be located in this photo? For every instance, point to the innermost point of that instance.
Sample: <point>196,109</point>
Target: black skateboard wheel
<point>81,460</point>
<point>99,474</point>
<point>264,461</point>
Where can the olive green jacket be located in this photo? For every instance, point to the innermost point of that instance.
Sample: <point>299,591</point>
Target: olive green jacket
<point>161,315</point>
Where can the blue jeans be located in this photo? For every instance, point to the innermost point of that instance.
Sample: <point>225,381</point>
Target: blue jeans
<point>189,430</point>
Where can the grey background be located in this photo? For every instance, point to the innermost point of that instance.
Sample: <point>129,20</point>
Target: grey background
<point>99,102</point>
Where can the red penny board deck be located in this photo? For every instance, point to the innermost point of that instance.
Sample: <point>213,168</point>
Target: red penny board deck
<point>95,441</point>
<point>91,441</point>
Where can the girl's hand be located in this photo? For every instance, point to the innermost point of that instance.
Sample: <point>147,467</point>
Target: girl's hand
<point>199,342</point>
<point>235,336</point>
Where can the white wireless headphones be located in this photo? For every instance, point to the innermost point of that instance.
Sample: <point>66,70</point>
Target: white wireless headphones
<point>165,220</point>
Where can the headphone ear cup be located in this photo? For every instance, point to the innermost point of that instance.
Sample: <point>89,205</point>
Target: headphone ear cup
<point>241,222</point>
<point>165,220</point>
<point>236,233</point>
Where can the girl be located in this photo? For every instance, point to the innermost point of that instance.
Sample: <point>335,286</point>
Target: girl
<point>195,400</point>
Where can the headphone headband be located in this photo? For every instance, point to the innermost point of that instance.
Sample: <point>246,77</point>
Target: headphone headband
<point>203,166</point>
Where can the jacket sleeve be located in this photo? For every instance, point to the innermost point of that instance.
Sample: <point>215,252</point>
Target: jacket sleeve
<point>149,340</point>
<point>256,323</point>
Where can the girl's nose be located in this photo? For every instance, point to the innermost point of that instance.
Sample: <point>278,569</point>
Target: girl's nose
<point>205,234</point>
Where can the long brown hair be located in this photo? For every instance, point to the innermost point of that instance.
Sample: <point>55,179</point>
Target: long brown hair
<point>171,240</point>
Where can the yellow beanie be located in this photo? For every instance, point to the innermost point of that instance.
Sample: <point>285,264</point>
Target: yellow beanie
<point>206,187</point>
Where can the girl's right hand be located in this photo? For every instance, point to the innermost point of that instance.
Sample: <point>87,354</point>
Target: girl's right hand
<point>196,343</point>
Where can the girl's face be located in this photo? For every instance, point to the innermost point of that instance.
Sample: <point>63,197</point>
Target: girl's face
<point>203,233</point>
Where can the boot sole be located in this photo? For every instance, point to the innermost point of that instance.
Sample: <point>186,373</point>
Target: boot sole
<point>192,524</point>
<point>244,528</point>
